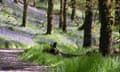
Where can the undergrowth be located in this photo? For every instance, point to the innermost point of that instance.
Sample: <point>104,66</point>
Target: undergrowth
<point>84,63</point>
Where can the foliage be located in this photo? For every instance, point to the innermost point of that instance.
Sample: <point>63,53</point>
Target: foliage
<point>93,63</point>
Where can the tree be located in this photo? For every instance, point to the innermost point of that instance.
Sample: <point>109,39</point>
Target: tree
<point>73,9</point>
<point>1,1</point>
<point>88,24</point>
<point>61,14</point>
<point>15,1</point>
<point>106,20</point>
<point>117,12</point>
<point>65,16</point>
<point>25,13</point>
<point>50,17</point>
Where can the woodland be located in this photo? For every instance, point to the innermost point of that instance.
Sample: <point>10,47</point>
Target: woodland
<point>59,35</point>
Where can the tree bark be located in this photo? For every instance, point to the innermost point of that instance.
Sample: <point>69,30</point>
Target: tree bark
<point>65,16</point>
<point>24,13</point>
<point>88,24</point>
<point>117,12</point>
<point>106,20</point>
<point>50,17</point>
<point>1,1</point>
<point>61,14</point>
<point>73,10</point>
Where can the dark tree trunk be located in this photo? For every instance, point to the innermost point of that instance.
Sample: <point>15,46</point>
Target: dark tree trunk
<point>1,1</point>
<point>15,1</point>
<point>73,9</point>
<point>106,27</point>
<point>24,13</point>
<point>50,17</point>
<point>61,14</point>
<point>65,16</point>
<point>88,24</point>
<point>117,12</point>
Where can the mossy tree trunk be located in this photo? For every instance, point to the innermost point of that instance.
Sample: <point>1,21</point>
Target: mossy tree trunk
<point>106,20</point>
<point>50,17</point>
<point>24,13</point>
<point>73,10</point>
<point>65,16</point>
<point>88,24</point>
<point>117,12</point>
<point>61,14</point>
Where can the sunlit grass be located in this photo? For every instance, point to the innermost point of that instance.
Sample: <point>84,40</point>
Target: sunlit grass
<point>36,55</point>
<point>84,63</point>
<point>95,63</point>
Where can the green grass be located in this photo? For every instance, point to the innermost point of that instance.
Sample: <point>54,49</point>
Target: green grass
<point>36,55</point>
<point>93,63</point>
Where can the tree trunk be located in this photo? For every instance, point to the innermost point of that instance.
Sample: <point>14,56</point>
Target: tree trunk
<point>61,14</point>
<point>24,13</point>
<point>15,1</point>
<point>50,17</point>
<point>106,27</point>
<point>1,1</point>
<point>88,24</point>
<point>117,12</point>
<point>73,10</point>
<point>65,16</point>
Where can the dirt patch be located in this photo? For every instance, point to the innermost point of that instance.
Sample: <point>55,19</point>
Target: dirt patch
<point>9,61</point>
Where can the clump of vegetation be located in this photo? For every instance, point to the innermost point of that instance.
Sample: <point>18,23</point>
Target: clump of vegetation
<point>95,63</point>
<point>83,63</point>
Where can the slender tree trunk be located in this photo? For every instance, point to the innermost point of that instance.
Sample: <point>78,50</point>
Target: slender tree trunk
<point>106,27</point>
<point>24,13</point>
<point>50,17</point>
<point>15,1</point>
<point>88,24</point>
<point>65,16</point>
<point>73,9</point>
<point>117,12</point>
<point>61,14</point>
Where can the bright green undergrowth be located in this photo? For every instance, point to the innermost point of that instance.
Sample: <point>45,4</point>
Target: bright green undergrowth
<point>84,63</point>
<point>36,55</point>
<point>95,63</point>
